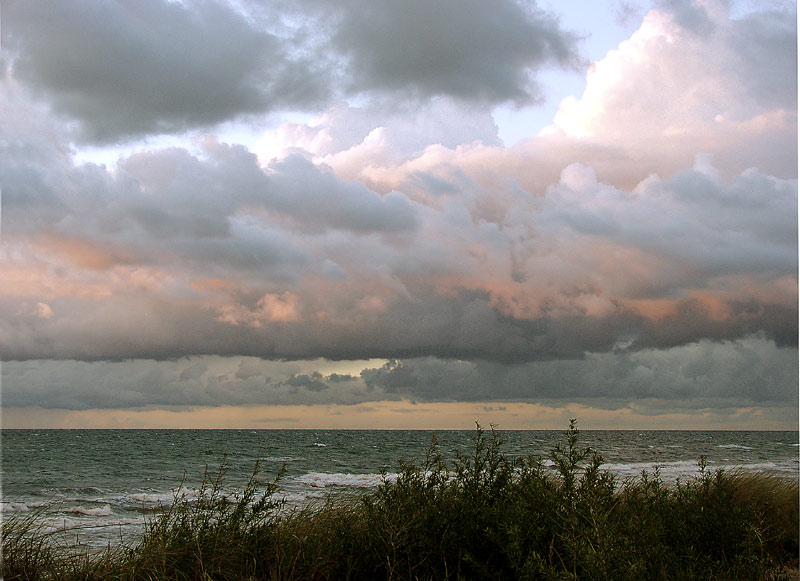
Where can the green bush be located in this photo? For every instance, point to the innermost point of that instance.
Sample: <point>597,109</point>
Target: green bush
<point>486,516</point>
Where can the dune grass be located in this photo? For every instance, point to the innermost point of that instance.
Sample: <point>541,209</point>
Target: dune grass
<point>486,516</point>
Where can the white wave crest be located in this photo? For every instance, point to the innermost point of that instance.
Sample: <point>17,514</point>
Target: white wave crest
<point>323,479</point>
<point>152,498</point>
<point>104,510</point>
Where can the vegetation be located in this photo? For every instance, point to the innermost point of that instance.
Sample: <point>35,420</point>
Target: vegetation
<point>488,516</point>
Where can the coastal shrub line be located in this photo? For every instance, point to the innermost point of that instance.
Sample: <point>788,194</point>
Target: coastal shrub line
<point>487,515</point>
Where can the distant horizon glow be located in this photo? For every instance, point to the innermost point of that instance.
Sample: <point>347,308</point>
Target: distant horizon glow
<point>398,415</point>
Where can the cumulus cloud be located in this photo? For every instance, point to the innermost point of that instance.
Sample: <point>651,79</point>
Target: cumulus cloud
<point>730,94</point>
<point>129,69</point>
<point>473,50</point>
<point>728,89</point>
<point>132,69</point>
<point>380,133</point>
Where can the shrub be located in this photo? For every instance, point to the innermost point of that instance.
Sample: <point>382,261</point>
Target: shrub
<point>488,516</point>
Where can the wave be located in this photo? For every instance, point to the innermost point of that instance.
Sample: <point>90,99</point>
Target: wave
<point>685,469</point>
<point>162,498</point>
<point>104,510</point>
<point>152,497</point>
<point>668,470</point>
<point>324,479</point>
<point>14,507</point>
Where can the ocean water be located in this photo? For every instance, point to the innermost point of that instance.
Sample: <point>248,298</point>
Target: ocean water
<point>100,486</point>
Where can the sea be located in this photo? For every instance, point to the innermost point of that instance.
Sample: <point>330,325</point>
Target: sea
<point>102,487</point>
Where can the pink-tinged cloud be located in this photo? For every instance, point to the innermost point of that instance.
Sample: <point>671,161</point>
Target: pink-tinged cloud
<point>571,278</point>
<point>271,308</point>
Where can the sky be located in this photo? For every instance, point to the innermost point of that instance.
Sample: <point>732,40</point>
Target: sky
<point>384,214</point>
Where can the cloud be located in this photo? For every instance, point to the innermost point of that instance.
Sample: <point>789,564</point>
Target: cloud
<point>663,260</point>
<point>198,381</point>
<point>728,90</point>
<point>473,51</point>
<point>315,198</point>
<point>43,310</point>
<point>312,382</point>
<point>380,133</point>
<point>130,69</point>
<point>748,372</point>
<point>690,15</point>
<point>685,94</point>
<point>207,252</point>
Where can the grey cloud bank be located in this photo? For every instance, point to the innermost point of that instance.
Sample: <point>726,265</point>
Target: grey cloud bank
<point>747,372</point>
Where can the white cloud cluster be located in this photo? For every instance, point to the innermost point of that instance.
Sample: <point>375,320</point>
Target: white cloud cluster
<point>727,87</point>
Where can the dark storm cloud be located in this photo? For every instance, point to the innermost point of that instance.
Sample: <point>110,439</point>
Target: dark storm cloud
<point>503,340</point>
<point>135,325</point>
<point>130,69</point>
<point>341,377</point>
<point>392,376</point>
<point>474,50</point>
<point>693,319</point>
<point>311,382</point>
<point>150,66</point>
<point>745,372</point>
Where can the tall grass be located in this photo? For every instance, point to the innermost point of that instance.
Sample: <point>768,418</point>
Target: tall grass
<point>485,516</point>
<point>32,551</point>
